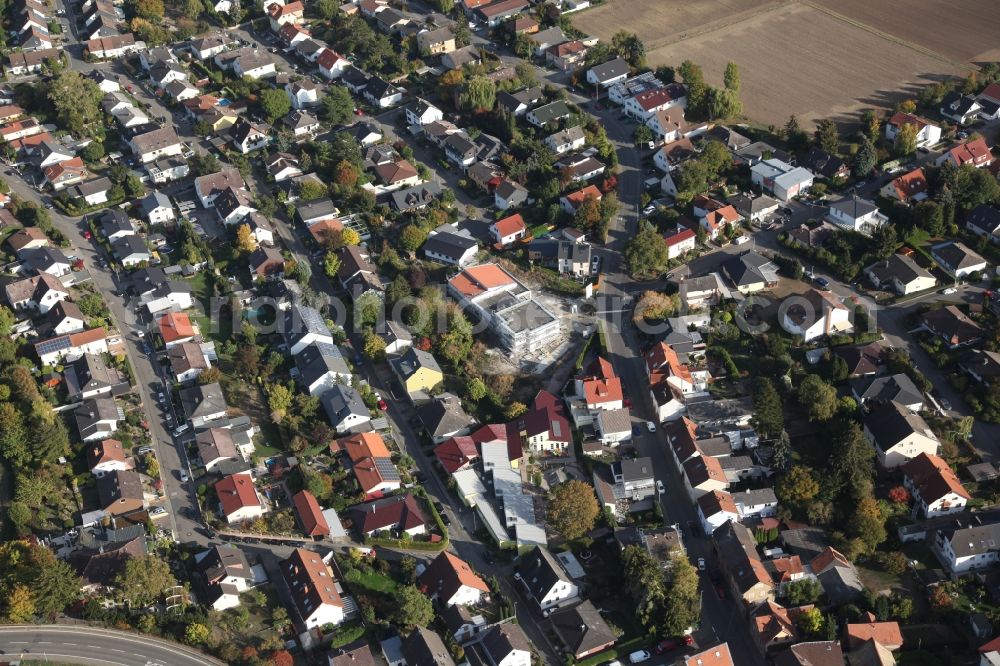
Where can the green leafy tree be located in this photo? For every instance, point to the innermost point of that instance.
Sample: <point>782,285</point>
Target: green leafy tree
<point>827,136</point>
<point>479,92</point>
<point>682,602</point>
<point>331,264</point>
<point>724,104</point>
<point>196,633</point>
<point>645,586</point>
<point>802,592</point>
<point>646,253</point>
<point>868,524</point>
<point>811,623</point>
<point>975,186</point>
<point>76,102</point>
<point>476,389</point>
<point>412,608</point>
<point>884,240</point>
<point>768,417</point>
<point>817,398</point>
<point>274,103</point>
<point>144,580</point>
<point>7,320</point>
<point>13,436</point>
<point>865,159</point>
<point>629,47</point>
<point>906,140</point>
<point>642,135</point>
<point>798,487</point>
<point>851,460</point>
<point>694,79</point>
<point>573,509</point>
<point>20,605</point>
<point>325,9</point>
<point>279,400</point>
<point>731,78</point>
<point>374,345</point>
<point>412,237</point>
<point>338,106</point>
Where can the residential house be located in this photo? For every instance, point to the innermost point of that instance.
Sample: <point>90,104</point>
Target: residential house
<point>382,94</point>
<point>983,366</point>
<point>698,292</point>
<point>911,187</point>
<point>437,41</point>
<point>97,418</point>
<point>282,166</point>
<point>416,197</point>
<point>773,625</point>
<point>582,630</point>
<point>756,503</point>
<point>570,202</point>
<point>719,220</point>
<point>29,238</point>
<point>64,174</point>
<point>544,579</point>
<point>509,194</point>
<point>548,114</point>
<point>898,388</point>
<point>966,546</point>
<point>935,487</point>
<point>396,175</point>
<point>953,326</point>
<point>238,498</point>
<point>645,105</point>
<point>344,408</point>
<point>396,514</point>
<point>176,328</point>
<point>963,109</point>
<point>203,404</point>
<point>421,112</point>
<point>566,56</point>
<point>984,220</point>
<point>973,152</point>
<point>93,192</point>
<point>713,656</point>
<point>215,446</point>
<point>167,169</point>
<point>310,514</point>
<point>825,165</point>
<point>321,366</point>
<point>187,361</point>
<point>928,134</point>
<point>315,591</point>
<point>302,124</point>
<point>506,645</point>
<point>226,573</point>
<point>680,243</point>
<point>781,179</point>
<point>331,64</point>
<point>90,376</point>
<point>957,259</point>
<point>155,144</point>
<point>608,74</point>
<point>48,260</point>
<point>886,634</point>
<point>716,509</point>
<point>443,417</point>
<point>266,263</point>
<point>754,209</point>
<point>41,292</point>
<point>813,653</point>
<point>498,11</point>
<point>119,492</point>
<point>452,581</point>
<point>508,230</point>
<point>424,646</point>
<point>417,370</point>
<point>371,463</point>
<point>71,346</point>
<point>451,248</point>
<point>518,103</point>
<point>816,314</point>
<point>750,272</point>
<point>900,273</point>
<point>65,317</point>
<point>281,14</point>
<point>107,456</point>
<point>742,567</point>
<point>898,434</point>
<point>566,140</point>
<point>703,474</point>
<point>302,93</point>
<point>248,136</point>
<point>854,214</point>
<point>457,453</point>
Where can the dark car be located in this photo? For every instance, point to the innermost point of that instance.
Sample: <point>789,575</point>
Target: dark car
<point>671,644</point>
<point>821,282</point>
<point>445,519</point>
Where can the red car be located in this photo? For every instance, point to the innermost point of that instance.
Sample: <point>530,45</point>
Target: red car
<point>670,644</point>
<point>87,235</point>
<point>383,405</point>
<point>358,112</point>
<point>628,403</point>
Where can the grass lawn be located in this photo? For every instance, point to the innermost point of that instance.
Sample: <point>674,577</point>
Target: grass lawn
<point>922,554</point>
<point>372,581</point>
<point>879,580</point>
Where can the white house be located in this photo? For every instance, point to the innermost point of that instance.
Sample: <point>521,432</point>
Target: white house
<point>544,579</point>
<point>238,498</point>
<point>158,208</point>
<point>303,93</point>
<point>680,243</point>
<point>608,74</point>
<point>43,291</point>
<point>928,134</point>
<point>508,230</point>
<point>158,143</point>
<point>715,509</point>
<point>420,113</point>
<point>898,434</point>
<point>854,214</point>
<point>934,485</point>
<point>963,549</point>
<point>314,588</point>
<point>815,314</point>
<point>452,581</point>
<point>332,64</point>
<point>344,408</point>
<point>781,179</point>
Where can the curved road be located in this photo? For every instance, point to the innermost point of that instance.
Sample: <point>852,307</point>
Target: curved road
<point>93,646</point>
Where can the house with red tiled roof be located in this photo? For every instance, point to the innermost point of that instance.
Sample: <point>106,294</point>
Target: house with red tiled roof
<point>62,175</point>
<point>544,428</point>
<point>719,220</point>
<point>106,456</point>
<point>934,485</point>
<point>371,463</point>
<point>680,242</point>
<point>283,14</point>
<point>886,634</point>
<point>741,565</point>
<point>310,514</point>
<point>457,453</point>
<point>395,514</point>
<point>910,187</point>
<point>645,105</point>
<point>509,229</point>
<point>238,498</point>
<point>928,133</point>
<point>703,474</point>
<point>718,655</point>
<point>315,591</point>
<point>176,328</point>
<point>973,152</point>
<point>715,509</point>
<point>499,432</point>
<point>570,202</point>
<point>452,581</point>
<point>772,625</point>
<point>786,569</point>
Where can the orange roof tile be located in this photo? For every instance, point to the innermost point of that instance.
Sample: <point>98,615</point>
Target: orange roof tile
<point>933,478</point>
<point>176,326</point>
<point>363,445</point>
<point>477,280</point>
<point>236,492</point>
<point>510,225</point>
<point>446,574</point>
<point>910,184</point>
<point>310,514</point>
<point>886,633</point>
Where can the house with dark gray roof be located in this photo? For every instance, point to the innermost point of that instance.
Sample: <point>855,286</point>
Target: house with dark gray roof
<point>544,579</point>
<point>344,408</point>
<point>582,630</point>
<point>900,273</point>
<point>450,248</point>
<point>898,388</point>
<point>416,197</point>
<point>426,648</point>
<point>750,272</point>
<point>609,73</point>
<point>957,259</point>
<point>898,434</point>
<point>90,376</point>
<point>97,418</point>
<point>444,417</point>
<point>203,404</point>
<point>972,545</point>
<point>321,365</point>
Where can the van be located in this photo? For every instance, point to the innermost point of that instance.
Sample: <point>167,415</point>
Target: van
<point>742,240</point>
<point>179,430</point>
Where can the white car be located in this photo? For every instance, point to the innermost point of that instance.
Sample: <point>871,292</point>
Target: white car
<point>650,426</point>
<point>184,476</point>
<point>157,511</point>
<point>659,487</point>
<point>949,291</point>
<point>701,564</point>
<point>639,656</point>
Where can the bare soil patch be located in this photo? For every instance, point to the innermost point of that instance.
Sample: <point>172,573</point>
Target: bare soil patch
<point>800,60</point>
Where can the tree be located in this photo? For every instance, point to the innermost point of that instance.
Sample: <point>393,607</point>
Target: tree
<point>642,135</point>
<point>975,186</point>
<point>13,436</point>
<point>144,580</point>
<point>724,104</point>
<point>827,136</point>
<point>149,9</point>
<point>281,658</point>
<point>573,509</point>
<point>331,264</point>
<point>906,140</point>
<point>274,103</point>
<point>768,417</point>
<point>731,78</point>
<point>682,604</point>
<point>245,241</point>
<point>850,465</point>
<point>412,237</point>
<point>646,254</point>
<point>629,47</point>
<point>811,622</point>
<point>7,320</point>
<point>193,8</point>
<point>478,93</point>
<point>279,617</point>
<point>397,290</point>
<point>412,607</point>
<point>350,237</point>
<point>325,9</point>
<point>868,524</point>
<point>93,152</point>
<point>246,361</point>
<point>20,605</point>
<point>798,487</point>
<point>374,345</point>
<point>645,585</point>
<point>864,160</point>
<point>196,633</point>
<point>338,106</point>
<point>514,410</point>
<point>884,240</point>
<point>76,101</point>
<point>476,389</point>
<point>694,79</point>
<point>802,592</point>
<point>817,398</point>
<point>279,400</point>
<point>654,305</point>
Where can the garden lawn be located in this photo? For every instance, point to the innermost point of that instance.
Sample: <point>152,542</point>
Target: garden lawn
<point>372,581</point>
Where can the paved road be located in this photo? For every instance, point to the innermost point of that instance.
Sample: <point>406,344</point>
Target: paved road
<point>101,647</point>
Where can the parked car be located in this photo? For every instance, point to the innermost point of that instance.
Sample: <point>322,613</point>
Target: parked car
<point>822,282</point>
<point>639,656</point>
<point>670,644</point>
<point>659,487</point>
<point>701,564</point>
<point>650,426</point>
<point>184,476</point>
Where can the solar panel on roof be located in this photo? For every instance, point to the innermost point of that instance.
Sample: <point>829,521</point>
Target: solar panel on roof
<point>386,469</point>
<point>53,345</point>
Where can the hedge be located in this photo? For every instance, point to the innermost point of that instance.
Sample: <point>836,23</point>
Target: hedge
<point>620,650</point>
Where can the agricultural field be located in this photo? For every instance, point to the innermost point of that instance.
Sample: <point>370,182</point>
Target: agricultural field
<point>830,58</point>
